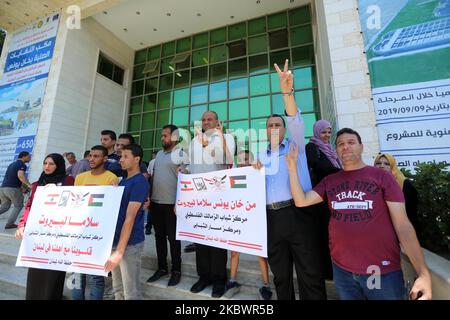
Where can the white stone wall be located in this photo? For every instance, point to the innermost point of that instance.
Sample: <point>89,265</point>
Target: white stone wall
<point>78,102</point>
<point>349,71</point>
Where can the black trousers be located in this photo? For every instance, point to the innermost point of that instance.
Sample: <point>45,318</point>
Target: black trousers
<point>322,214</point>
<point>211,263</point>
<point>293,240</point>
<point>45,284</point>
<point>165,224</point>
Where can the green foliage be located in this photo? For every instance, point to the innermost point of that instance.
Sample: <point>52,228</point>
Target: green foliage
<point>432,182</point>
<point>2,39</point>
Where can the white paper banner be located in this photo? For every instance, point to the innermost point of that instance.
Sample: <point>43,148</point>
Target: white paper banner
<point>224,209</point>
<point>415,135</point>
<point>71,229</point>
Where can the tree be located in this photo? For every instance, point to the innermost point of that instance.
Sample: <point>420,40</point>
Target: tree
<point>2,39</point>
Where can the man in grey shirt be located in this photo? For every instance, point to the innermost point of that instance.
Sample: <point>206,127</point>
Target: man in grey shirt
<point>81,166</point>
<point>163,198</point>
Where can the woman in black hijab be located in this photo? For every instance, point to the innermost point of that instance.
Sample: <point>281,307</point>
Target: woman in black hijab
<point>45,284</point>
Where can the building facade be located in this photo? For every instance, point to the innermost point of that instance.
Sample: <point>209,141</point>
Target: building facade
<point>135,66</point>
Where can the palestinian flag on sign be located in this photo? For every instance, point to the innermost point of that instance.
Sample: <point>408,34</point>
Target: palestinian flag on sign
<point>186,186</point>
<point>238,182</point>
<point>95,200</point>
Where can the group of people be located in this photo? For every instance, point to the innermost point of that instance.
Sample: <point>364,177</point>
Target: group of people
<point>328,214</point>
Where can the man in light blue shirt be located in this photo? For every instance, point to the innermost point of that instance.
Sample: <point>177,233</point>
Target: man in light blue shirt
<point>291,232</point>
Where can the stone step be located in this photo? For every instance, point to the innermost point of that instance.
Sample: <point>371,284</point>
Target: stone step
<point>13,283</point>
<point>159,289</point>
<point>248,274</point>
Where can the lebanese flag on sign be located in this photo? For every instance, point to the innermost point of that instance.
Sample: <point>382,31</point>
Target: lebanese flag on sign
<point>51,199</point>
<point>186,186</point>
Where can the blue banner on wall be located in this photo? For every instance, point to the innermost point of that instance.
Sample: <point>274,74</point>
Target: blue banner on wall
<point>22,87</point>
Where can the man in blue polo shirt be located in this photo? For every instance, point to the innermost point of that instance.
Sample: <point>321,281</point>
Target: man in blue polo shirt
<point>10,189</point>
<point>128,244</point>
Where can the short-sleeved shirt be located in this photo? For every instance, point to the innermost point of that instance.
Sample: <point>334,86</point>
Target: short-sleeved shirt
<point>107,178</point>
<point>361,233</point>
<point>11,180</point>
<point>142,168</point>
<point>113,165</point>
<point>136,190</point>
<point>80,167</point>
<point>165,176</point>
<point>151,166</point>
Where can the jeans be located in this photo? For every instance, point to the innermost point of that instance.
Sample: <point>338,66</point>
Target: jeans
<point>8,196</point>
<point>97,284</point>
<point>351,286</point>
<point>126,277</point>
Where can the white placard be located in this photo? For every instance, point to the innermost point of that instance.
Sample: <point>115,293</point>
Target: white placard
<point>224,209</point>
<point>415,135</point>
<point>71,229</point>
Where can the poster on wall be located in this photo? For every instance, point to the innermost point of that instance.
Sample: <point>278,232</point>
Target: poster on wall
<point>22,87</point>
<point>407,43</point>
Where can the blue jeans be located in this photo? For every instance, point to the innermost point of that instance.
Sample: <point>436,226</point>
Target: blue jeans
<point>351,286</point>
<point>97,284</point>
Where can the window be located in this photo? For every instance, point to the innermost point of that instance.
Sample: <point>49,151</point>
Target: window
<point>236,49</point>
<point>257,44</point>
<point>237,68</point>
<point>237,31</point>
<point>182,61</point>
<point>200,41</point>
<point>228,70</point>
<point>278,39</point>
<point>150,66</point>
<point>110,70</point>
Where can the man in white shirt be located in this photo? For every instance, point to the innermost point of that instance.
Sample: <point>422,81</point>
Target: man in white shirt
<point>211,150</point>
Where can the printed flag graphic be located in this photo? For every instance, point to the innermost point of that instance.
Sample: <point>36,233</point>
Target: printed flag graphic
<point>186,186</point>
<point>51,199</point>
<point>95,200</point>
<point>238,182</point>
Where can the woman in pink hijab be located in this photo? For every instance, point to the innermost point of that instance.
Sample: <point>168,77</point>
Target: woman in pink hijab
<point>322,161</point>
<point>322,158</point>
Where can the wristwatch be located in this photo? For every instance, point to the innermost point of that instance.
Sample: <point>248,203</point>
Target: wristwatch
<point>286,94</point>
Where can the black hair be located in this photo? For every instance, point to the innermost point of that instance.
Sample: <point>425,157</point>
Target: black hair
<point>172,127</point>
<point>86,153</point>
<point>127,136</point>
<point>349,131</point>
<point>23,154</point>
<point>101,148</point>
<point>136,150</point>
<point>70,154</point>
<point>275,115</point>
<point>109,133</point>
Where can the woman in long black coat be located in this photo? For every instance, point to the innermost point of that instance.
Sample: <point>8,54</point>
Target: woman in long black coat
<point>322,161</point>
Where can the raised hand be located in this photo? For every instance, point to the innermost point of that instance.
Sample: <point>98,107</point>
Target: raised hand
<point>201,137</point>
<point>219,129</point>
<point>286,77</point>
<point>291,158</point>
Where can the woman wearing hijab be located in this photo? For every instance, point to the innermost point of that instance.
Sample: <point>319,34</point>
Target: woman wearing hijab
<point>322,158</point>
<point>322,161</point>
<point>45,284</point>
<point>387,162</point>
